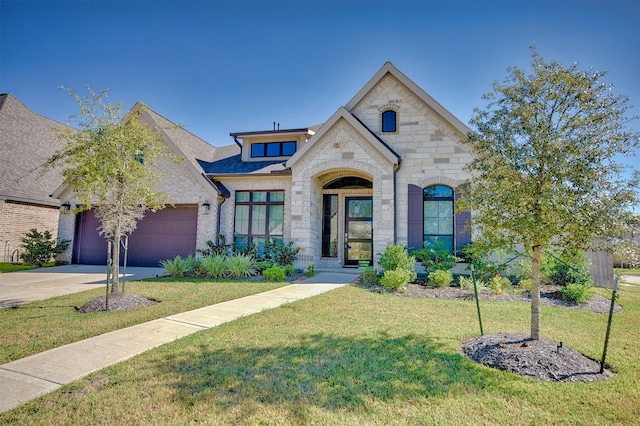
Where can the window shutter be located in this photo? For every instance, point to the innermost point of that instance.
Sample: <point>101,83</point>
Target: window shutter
<point>463,232</point>
<point>415,218</point>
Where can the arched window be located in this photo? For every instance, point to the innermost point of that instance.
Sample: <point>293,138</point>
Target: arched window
<point>438,224</point>
<point>389,121</point>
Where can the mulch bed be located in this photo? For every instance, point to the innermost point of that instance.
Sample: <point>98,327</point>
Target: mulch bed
<point>540,359</point>
<point>117,302</point>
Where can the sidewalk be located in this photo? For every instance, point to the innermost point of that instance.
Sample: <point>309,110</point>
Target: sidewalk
<point>28,378</point>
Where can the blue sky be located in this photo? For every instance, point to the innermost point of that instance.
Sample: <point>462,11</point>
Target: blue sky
<point>218,67</point>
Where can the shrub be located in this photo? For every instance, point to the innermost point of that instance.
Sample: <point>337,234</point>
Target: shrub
<point>310,271</point>
<point>215,266</point>
<point>261,265</point>
<point>578,293</point>
<point>275,273</point>
<point>240,266</point>
<point>279,253</point>
<point>568,267</point>
<point>436,258</point>
<point>193,266</point>
<point>395,257</point>
<point>440,278</point>
<point>467,284</point>
<point>370,277</point>
<point>221,248</point>
<point>289,270</point>
<point>396,279</point>
<point>498,284</point>
<point>176,267</point>
<point>40,247</point>
<point>526,284</point>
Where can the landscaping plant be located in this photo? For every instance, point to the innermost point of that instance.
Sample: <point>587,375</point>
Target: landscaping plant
<point>40,247</point>
<point>440,278</point>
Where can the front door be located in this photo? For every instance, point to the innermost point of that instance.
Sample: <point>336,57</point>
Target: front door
<point>358,236</point>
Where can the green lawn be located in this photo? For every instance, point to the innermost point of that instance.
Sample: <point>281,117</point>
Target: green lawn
<point>12,267</point>
<point>38,326</point>
<point>354,357</point>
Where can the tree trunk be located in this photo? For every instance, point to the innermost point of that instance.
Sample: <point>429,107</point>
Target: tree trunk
<point>535,291</point>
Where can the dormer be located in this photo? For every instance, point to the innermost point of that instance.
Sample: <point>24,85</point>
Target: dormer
<point>271,145</point>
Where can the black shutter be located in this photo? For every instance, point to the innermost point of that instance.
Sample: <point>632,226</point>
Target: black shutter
<point>415,218</point>
<point>463,231</point>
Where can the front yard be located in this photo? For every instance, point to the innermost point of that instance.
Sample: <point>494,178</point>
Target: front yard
<point>352,356</point>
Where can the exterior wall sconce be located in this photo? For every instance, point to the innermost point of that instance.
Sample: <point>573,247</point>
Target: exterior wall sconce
<point>65,207</point>
<point>206,206</point>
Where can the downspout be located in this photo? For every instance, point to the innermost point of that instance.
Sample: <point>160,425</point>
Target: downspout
<point>395,201</point>
<point>235,139</point>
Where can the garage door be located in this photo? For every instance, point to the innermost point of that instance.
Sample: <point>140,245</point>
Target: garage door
<point>159,236</point>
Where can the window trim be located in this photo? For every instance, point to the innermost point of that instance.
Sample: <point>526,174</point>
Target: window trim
<point>250,235</point>
<point>280,149</point>
<point>451,200</point>
<point>395,121</point>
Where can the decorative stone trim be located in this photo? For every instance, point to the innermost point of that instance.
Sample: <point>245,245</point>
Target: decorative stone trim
<point>440,180</point>
<point>388,107</point>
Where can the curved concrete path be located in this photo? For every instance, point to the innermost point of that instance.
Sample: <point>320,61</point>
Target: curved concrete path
<point>28,378</point>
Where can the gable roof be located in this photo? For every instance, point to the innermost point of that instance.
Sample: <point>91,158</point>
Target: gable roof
<point>343,114</point>
<point>27,140</point>
<point>388,68</point>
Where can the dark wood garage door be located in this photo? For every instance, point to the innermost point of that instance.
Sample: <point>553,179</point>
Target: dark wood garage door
<point>159,236</point>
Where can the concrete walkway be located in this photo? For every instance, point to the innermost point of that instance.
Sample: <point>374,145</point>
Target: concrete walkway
<point>28,378</point>
<point>21,287</point>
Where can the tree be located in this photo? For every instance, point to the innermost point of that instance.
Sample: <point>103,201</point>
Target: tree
<point>546,173</point>
<point>109,165</point>
<point>40,247</point>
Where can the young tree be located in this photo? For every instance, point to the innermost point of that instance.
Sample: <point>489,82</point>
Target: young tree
<point>546,173</point>
<point>109,166</point>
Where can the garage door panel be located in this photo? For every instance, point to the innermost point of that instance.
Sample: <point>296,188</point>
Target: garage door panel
<point>158,236</point>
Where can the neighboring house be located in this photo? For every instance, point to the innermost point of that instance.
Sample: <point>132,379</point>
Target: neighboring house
<point>385,168</point>
<point>26,141</point>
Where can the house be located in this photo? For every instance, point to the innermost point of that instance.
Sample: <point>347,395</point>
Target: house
<point>26,141</point>
<point>385,168</point>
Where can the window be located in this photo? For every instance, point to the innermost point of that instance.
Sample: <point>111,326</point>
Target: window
<point>330,225</point>
<point>389,122</point>
<point>273,149</point>
<point>438,217</point>
<point>259,217</point>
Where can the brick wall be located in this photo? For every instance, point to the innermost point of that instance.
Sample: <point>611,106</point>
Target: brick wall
<point>16,219</point>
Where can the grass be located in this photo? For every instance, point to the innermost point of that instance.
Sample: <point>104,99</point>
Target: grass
<point>354,357</point>
<point>12,267</point>
<point>626,271</point>
<point>38,326</point>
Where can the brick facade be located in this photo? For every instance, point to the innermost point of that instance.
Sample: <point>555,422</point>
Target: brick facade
<point>18,219</point>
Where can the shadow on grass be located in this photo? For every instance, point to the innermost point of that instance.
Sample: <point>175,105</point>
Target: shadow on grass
<point>326,372</point>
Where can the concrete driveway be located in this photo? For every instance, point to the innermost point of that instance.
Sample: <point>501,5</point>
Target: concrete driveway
<point>42,283</point>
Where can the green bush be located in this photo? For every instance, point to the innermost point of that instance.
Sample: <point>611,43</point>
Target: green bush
<point>275,273</point>
<point>396,279</point>
<point>526,284</point>
<point>279,253</point>
<point>578,293</point>
<point>498,284</point>
<point>240,266</point>
<point>221,248</point>
<point>310,271</point>
<point>193,266</point>
<point>261,265</point>
<point>436,258</point>
<point>215,266</point>
<point>440,278</point>
<point>289,270</point>
<point>395,257</point>
<point>40,247</point>
<point>567,267</point>
<point>370,277</point>
<point>467,283</point>
<point>176,267</point>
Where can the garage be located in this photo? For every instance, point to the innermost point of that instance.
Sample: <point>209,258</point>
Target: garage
<point>158,236</point>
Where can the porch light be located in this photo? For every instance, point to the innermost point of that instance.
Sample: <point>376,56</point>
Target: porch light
<point>65,207</point>
<point>206,206</point>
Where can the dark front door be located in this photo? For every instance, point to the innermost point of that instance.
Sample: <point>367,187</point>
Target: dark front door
<point>358,236</point>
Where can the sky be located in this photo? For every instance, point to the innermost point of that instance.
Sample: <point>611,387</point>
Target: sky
<point>218,67</point>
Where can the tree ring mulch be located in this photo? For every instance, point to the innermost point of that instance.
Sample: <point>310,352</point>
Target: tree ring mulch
<point>117,302</point>
<point>540,359</point>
